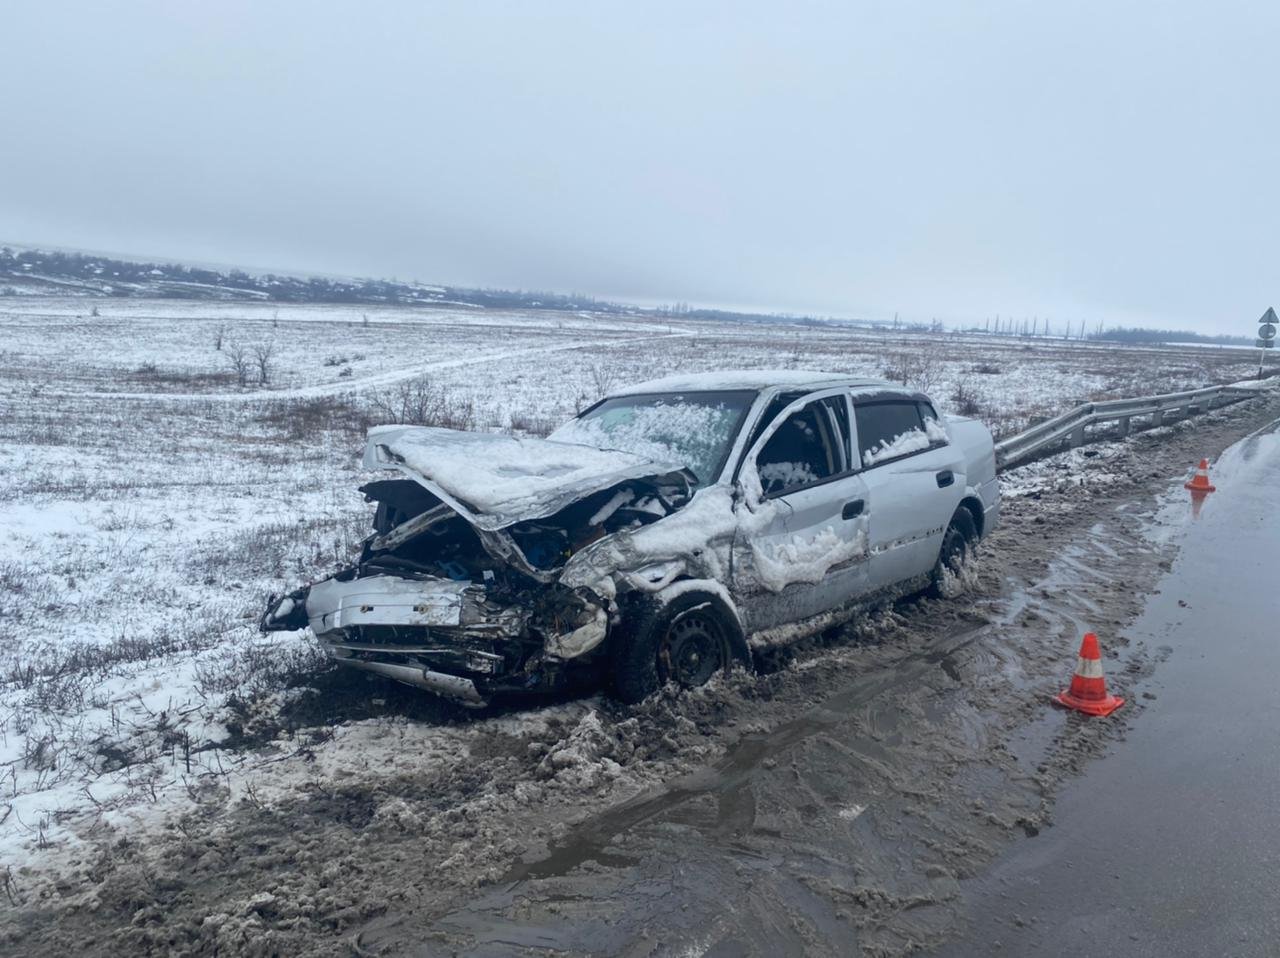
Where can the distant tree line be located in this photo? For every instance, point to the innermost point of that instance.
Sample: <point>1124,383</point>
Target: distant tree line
<point>114,277</point>
<point>1078,329</point>
<point>1139,334</point>
<point>106,276</point>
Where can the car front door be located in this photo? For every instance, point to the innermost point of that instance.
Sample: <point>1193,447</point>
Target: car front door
<point>800,547</point>
<point>915,480</point>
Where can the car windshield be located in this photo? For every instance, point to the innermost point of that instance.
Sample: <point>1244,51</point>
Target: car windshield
<point>694,429</point>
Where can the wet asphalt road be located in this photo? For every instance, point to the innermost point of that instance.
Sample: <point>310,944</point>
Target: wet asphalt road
<point>1170,845</point>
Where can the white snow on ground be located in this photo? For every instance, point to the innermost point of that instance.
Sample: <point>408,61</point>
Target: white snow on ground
<point>148,504</point>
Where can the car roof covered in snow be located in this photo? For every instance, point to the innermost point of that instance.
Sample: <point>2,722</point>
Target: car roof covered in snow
<point>755,379</point>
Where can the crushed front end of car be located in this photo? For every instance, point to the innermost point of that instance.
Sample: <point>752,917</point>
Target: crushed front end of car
<point>458,589</point>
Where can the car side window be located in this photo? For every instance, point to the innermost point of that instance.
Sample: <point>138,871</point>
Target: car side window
<point>806,448</point>
<point>890,429</point>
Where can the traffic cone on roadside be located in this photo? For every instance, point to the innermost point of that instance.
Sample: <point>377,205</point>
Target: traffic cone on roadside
<point>1197,503</point>
<point>1088,692</point>
<point>1200,481</point>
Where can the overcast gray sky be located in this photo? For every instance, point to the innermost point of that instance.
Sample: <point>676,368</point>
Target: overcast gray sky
<point>1101,161</point>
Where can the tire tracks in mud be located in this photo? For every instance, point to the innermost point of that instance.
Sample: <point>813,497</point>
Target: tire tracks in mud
<point>832,807</point>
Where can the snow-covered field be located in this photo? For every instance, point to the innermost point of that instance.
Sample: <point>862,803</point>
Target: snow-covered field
<point>149,502</point>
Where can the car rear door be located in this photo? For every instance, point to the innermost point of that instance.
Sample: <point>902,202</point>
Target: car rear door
<point>800,544</point>
<point>915,480</point>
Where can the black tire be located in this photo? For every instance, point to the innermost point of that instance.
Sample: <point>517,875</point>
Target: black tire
<point>684,641</point>
<point>957,543</point>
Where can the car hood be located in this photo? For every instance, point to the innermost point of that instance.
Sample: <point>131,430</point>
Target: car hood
<point>494,481</point>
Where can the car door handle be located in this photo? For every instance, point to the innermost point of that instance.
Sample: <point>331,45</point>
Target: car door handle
<point>945,478</point>
<point>852,509</point>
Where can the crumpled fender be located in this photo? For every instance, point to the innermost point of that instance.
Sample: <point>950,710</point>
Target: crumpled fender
<point>721,597</point>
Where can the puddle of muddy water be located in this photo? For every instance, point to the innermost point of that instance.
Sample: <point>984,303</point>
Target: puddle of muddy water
<point>760,854</point>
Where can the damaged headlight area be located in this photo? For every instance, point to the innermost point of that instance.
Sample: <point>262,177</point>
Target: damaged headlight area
<point>438,601</point>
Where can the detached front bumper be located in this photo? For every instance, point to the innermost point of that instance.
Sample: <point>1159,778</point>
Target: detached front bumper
<point>450,637</point>
<point>446,636</point>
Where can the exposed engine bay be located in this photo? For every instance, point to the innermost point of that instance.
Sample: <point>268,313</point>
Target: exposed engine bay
<point>438,602</point>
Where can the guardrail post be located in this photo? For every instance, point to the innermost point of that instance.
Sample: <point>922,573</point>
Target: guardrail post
<point>1157,418</point>
<point>1077,436</point>
<point>1124,426</point>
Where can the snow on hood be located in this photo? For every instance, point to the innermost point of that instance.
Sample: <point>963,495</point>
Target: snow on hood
<point>495,480</point>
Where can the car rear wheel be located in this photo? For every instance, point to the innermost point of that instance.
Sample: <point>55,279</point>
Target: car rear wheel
<point>947,581</point>
<point>685,642</point>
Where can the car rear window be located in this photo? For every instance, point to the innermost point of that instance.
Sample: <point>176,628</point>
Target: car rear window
<point>880,423</point>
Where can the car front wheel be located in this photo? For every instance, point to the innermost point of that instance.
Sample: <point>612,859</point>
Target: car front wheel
<point>684,641</point>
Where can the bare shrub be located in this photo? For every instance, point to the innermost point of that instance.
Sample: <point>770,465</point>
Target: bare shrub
<point>219,336</point>
<point>263,355</point>
<point>964,400</point>
<point>919,368</point>
<point>419,402</point>
<point>603,377</point>
<point>531,424</point>
<point>237,356</point>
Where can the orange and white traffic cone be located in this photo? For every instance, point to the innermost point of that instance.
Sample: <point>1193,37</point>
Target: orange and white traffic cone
<point>1200,481</point>
<point>1197,503</point>
<point>1088,692</point>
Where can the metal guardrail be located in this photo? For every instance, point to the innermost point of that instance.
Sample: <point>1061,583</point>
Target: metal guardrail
<point>1070,427</point>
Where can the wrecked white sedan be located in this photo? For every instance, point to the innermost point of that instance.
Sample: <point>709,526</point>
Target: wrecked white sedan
<point>658,537</point>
